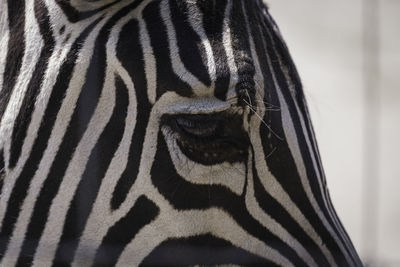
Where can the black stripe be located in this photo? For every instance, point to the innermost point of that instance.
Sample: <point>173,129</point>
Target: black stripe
<point>96,168</point>
<point>85,107</point>
<point>25,113</point>
<point>201,250</point>
<point>2,170</point>
<point>301,101</point>
<point>300,98</point>
<point>314,146</point>
<point>22,184</point>
<point>184,195</point>
<point>130,53</point>
<point>274,209</point>
<point>47,124</point>
<point>274,148</point>
<point>282,169</point>
<point>82,114</point>
<point>214,14</point>
<point>245,87</point>
<point>118,236</point>
<point>167,80</point>
<point>191,49</point>
<point>16,50</point>
<point>281,49</point>
<point>74,15</point>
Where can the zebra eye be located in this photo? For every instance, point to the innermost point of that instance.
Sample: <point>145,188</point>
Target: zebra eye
<point>199,128</point>
<point>211,138</point>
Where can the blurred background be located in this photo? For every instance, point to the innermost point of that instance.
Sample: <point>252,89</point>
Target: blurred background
<point>348,56</point>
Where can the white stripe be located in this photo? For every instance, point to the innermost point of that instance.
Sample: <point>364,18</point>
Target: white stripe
<point>227,42</point>
<point>291,139</point>
<point>272,186</point>
<point>61,202</point>
<point>326,196</point>
<point>49,79</point>
<point>178,224</point>
<point>230,175</point>
<point>273,226</point>
<point>269,182</point>
<point>50,76</point>
<point>197,86</point>
<point>83,6</point>
<point>149,61</point>
<point>102,216</point>
<point>322,186</point>
<point>195,18</point>
<point>321,180</point>
<point>311,142</point>
<point>63,118</point>
<point>33,44</point>
<point>251,201</point>
<point>4,35</point>
<point>290,134</point>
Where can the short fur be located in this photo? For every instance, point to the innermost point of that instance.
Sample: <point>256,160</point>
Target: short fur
<point>92,160</point>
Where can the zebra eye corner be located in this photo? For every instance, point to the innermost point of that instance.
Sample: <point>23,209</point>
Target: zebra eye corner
<point>210,139</point>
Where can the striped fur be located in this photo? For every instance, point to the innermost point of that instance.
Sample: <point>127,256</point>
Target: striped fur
<point>91,172</point>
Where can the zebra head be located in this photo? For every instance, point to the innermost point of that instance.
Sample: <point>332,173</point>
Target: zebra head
<point>160,132</point>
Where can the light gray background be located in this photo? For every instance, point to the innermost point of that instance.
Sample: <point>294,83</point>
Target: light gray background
<point>326,41</point>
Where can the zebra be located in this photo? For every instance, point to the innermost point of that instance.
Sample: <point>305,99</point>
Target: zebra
<point>157,132</point>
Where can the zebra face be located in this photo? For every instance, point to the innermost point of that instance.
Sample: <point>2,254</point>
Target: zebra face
<point>193,66</point>
<point>159,132</point>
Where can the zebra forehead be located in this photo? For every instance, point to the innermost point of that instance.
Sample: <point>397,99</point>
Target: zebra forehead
<point>209,52</point>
